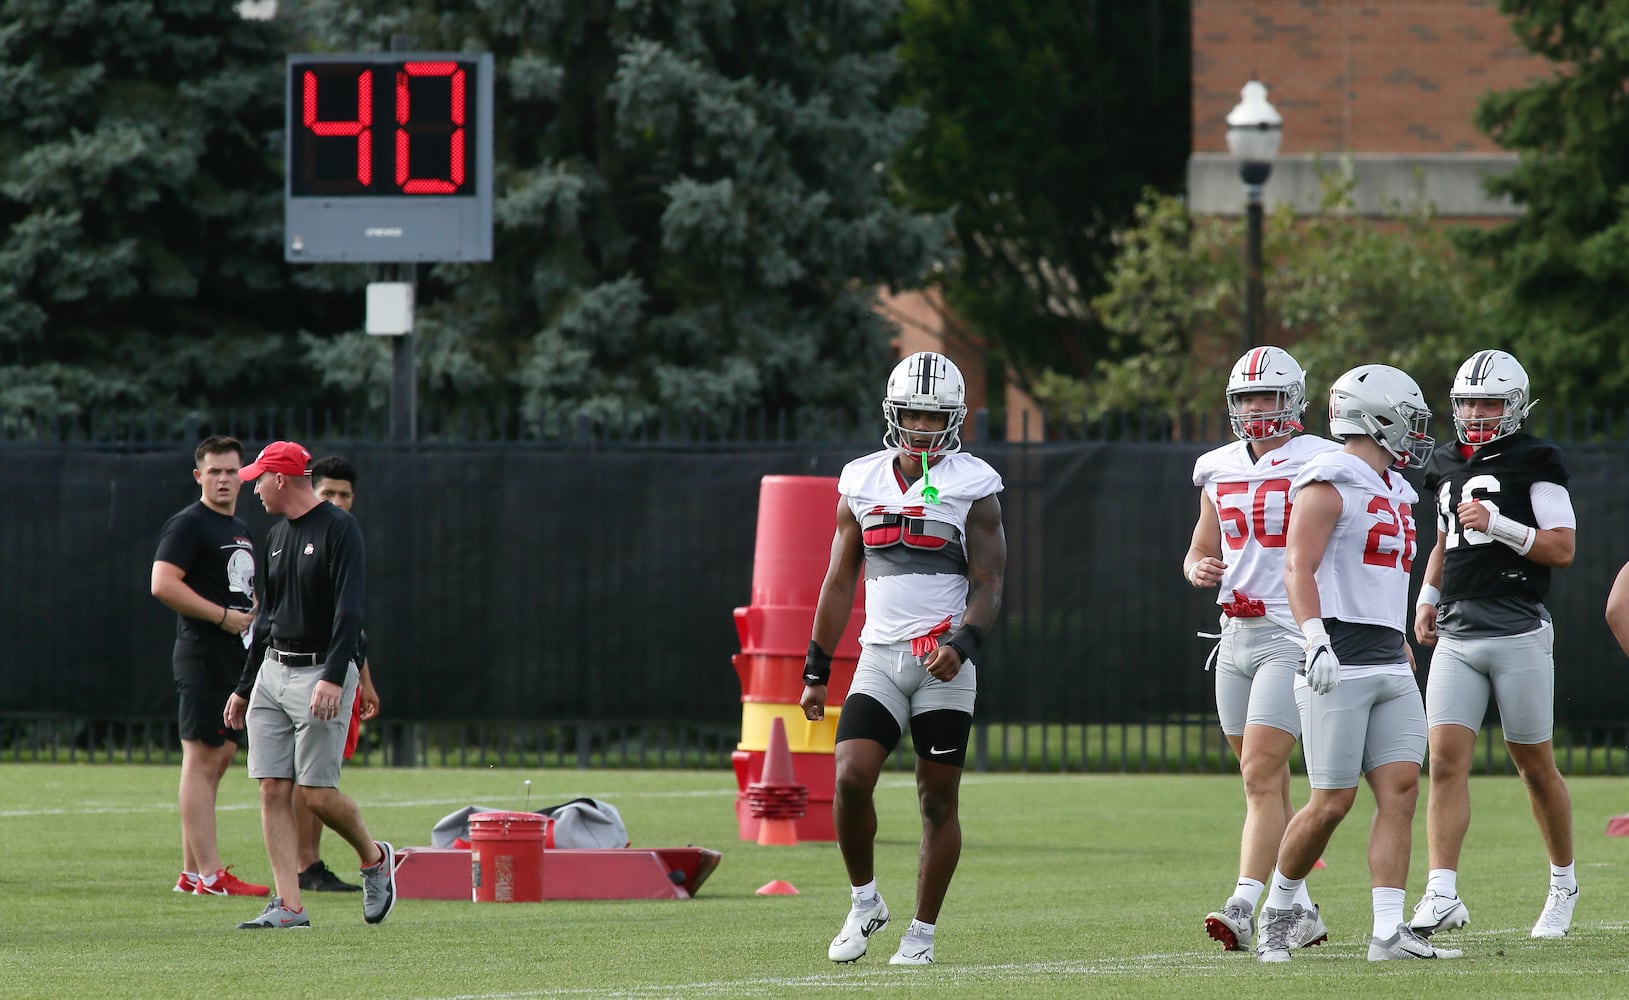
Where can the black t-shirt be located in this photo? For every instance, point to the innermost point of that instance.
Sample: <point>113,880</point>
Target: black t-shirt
<point>217,554</point>
<point>1506,588</point>
<point>314,595</point>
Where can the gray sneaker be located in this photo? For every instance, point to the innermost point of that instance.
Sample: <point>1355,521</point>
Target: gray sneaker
<point>379,885</point>
<point>1309,930</point>
<point>276,917</point>
<point>1276,928</point>
<point>1234,925</point>
<point>1407,944</point>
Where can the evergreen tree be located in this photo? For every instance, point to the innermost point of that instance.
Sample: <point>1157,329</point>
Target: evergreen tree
<point>691,211</point>
<point>140,191</point>
<point>1566,258</point>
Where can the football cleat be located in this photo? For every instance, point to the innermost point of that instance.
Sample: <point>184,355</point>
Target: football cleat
<point>913,950</point>
<point>1309,930</point>
<point>1276,928</point>
<point>863,920</point>
<point>1405,943</point>
<point>1438,913</point>
<point>1556,919</point>
<point>1234,925</point>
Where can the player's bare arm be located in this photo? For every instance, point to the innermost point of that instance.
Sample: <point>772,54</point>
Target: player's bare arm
<point>1203,565</point>
<point>1425,612</point>
<point>986,573</point>
<point>169,585</point>
<point>1617,609</point>
<point>836,600</point>
<point>1312,521</point>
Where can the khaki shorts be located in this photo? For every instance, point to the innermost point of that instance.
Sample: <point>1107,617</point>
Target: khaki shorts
<point>284,740</point>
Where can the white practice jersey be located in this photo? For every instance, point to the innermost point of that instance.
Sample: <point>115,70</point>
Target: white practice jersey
<point>1252,500</point>
<point>915,552</point>
<point>1363,578</point>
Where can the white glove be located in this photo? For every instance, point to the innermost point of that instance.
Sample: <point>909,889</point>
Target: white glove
<point>1323,670</point>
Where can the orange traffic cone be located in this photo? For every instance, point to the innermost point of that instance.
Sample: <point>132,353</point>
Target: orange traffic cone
<point>777,798</point>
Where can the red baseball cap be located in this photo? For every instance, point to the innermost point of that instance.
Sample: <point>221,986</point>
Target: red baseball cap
<point>286,457</point>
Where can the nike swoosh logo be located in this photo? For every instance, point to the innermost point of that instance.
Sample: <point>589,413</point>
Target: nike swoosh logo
<point>940,753</point>
<point>871,927</point>
<point>1278,461</point>
<point>1489,458</point>
<point>277,552</point>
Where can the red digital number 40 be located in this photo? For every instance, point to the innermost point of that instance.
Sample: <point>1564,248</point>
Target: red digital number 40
<point>406,127</point>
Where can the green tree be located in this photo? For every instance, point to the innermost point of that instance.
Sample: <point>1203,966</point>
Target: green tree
<point>1566,258</point>
<point>139,186</point>
<point>1340,292</point>
<point>1046,120</point>
<point>692,212</point>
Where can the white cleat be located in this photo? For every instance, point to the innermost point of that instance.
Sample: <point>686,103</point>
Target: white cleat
<point>1234,925</point>
<point>1438,913</point>
<point>1276,928</point>
<point>1556,919</point>
<point>862,922</point>
<point>1407,944</point>
<point>1309,930</point>
<point>913,951</point>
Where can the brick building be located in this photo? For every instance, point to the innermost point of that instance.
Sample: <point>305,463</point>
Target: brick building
<point>1391,84</point>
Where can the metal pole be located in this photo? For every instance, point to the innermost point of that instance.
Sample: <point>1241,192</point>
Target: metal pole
<point>1255,293</point>
<point>403,375</point>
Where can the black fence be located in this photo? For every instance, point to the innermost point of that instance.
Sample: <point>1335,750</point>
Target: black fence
<point>567,602</point>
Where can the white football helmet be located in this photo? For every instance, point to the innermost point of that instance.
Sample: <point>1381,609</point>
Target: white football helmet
<point>1385,404</point>
<point>1491,375</point>
<point>1267,369</point>
<point>930,382</point>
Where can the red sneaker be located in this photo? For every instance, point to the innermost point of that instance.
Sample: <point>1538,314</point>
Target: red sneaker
<point>227,884</point>
<point>186,883</point>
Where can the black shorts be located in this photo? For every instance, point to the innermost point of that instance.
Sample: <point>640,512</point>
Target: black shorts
<point>204,680</point>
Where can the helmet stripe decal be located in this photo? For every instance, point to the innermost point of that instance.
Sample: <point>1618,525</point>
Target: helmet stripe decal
<point>924,369</point>
<point>1479,368</point>
<point>1258,357</point>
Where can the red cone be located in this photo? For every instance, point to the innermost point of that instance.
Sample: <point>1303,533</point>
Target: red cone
<point>777,888</point>
<point>778,759</point>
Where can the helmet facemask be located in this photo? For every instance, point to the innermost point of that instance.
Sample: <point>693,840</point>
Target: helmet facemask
<point>1266,369</point>
<point>1490,375</point>
<point>925,383</point>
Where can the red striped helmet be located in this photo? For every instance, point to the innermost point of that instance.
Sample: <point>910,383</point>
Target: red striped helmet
<point>1266,369</point>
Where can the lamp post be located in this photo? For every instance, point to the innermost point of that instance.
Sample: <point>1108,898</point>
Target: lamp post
<point>1254,131</point>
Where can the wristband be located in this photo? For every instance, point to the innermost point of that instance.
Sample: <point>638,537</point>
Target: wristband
<point>1510,532</point>
<point>224,612</point>
<point>967,641</point>
<point>816,666</point>
<point>1428,595</point>
<point>1192,570</point>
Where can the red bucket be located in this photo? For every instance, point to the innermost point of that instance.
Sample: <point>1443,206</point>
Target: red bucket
<point>506,857</point>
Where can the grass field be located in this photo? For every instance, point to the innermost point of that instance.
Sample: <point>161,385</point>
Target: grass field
<point>1070,886</point>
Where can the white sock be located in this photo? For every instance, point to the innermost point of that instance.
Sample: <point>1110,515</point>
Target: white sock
<point>920,930</point>
<point>1282,894</point>
<point>1563,877</point>
<point>864,894</point>
<point>1443,882</point>
<point>192,875</point>
<point>1388,911</point>
<point>209,879</point>
<point>1249,890</point>
<point>1303,898</point>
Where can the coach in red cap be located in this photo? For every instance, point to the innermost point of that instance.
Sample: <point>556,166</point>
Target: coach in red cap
<point>300,680</point>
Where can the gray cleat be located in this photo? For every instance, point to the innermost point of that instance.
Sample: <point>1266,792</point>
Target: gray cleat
<point>1407,944</point>
<point>276,916</point>
<point>1276,928</point>
<point>1309,930</point>
<point>379,885</point>
<point>1234,925</point>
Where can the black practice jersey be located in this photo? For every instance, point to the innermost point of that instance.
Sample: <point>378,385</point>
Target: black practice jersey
<point>1475,567</point>
<point>313,599</point>
<point>217,554</point>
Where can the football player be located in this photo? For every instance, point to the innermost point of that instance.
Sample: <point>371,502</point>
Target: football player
<point>1350,548</point>
<point>1238,550</point>
<point>1504,521</point>
<point>921,519</point>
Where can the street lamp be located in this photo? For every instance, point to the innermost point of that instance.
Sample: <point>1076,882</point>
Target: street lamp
<point>1254,131</point>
